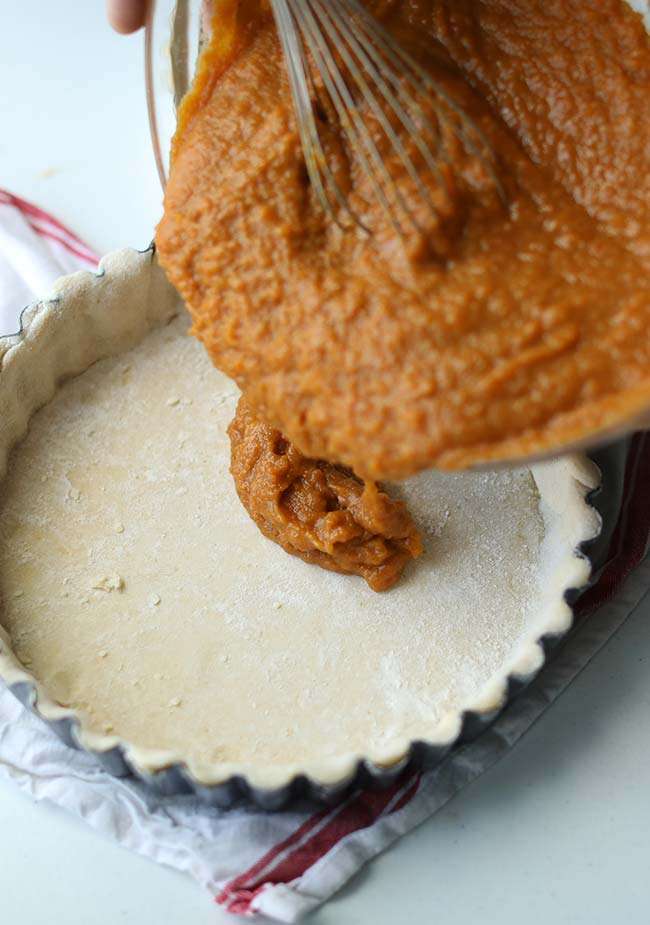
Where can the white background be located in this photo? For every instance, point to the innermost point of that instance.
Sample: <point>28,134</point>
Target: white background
<point>558,832</point>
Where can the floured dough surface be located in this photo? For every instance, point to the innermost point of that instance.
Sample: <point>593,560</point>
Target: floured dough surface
<point>137,589</point>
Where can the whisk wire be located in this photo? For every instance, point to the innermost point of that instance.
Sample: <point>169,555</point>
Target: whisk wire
<point>356,58</point>
<point>351,122</point>
<point>332,24</point>
<point>466,126</point>
<point>315,159</point>
<point>376,169</point>
<point>394,104</point>
<point>374,62</point>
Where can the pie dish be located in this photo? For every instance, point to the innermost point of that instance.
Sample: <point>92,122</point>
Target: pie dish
<point>149,622</point>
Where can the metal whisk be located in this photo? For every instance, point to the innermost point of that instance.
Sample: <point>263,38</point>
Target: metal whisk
<point>357,61</point>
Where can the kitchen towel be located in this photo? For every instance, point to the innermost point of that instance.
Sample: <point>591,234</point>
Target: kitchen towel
<point>279,865</point>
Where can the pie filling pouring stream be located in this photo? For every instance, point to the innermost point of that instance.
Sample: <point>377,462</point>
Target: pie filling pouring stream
<point>416,235</point>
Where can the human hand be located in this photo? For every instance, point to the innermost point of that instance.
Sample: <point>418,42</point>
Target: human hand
<point>126,16</point>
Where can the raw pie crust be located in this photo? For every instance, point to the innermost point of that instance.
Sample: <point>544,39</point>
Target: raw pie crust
<point>139,595</point>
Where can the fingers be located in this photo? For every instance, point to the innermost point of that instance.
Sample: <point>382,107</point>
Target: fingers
<point>126,16</point>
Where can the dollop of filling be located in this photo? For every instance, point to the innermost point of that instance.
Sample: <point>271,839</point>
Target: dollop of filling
<point>318,511</point>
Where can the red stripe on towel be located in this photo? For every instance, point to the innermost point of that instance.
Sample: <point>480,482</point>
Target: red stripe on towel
<point>47,226</point>
<point>282,866</point>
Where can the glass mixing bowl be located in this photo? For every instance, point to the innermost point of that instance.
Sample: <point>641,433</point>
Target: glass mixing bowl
<point>174,35</point>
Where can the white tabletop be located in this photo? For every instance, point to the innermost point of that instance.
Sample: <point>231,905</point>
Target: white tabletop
<point>558,832</point>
